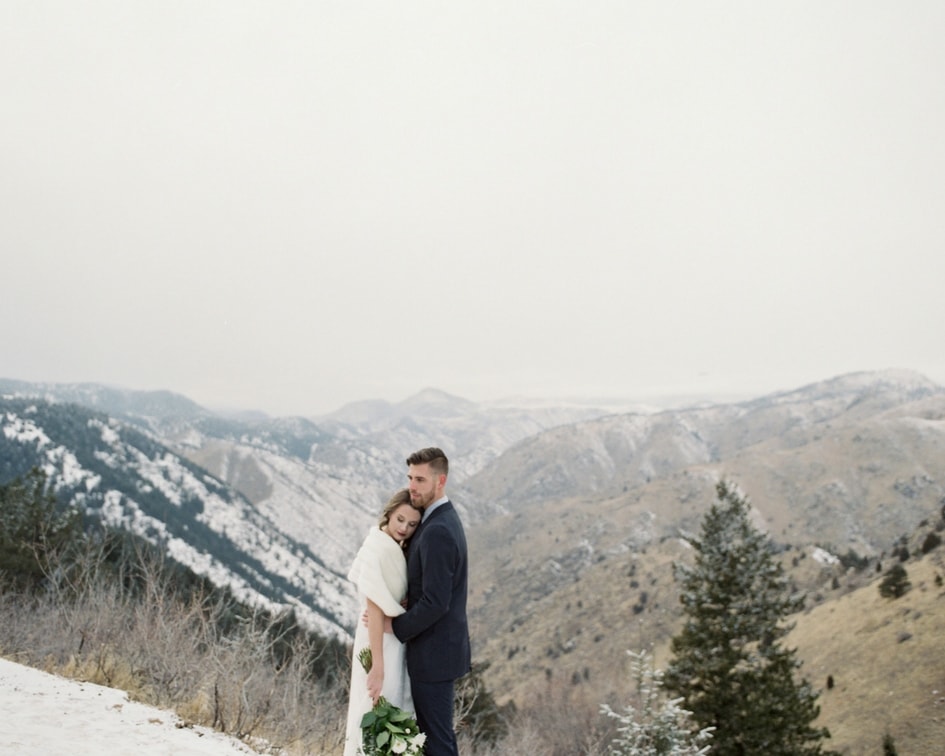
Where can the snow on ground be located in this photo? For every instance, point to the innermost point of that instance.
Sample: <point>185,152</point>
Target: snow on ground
<point>824,557</point>
<point>45,714</point>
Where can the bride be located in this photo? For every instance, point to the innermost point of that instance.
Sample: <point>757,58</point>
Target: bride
<point>380,573</point>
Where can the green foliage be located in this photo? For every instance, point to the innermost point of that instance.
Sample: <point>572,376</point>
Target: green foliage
<point>854,560</point>
<point>931,541</point>
<point>36,533</point>
<point>476,709</point>
<point>889,746</point>
<point>729,664</point>
<point>388,729</point>
<point>895,582</point>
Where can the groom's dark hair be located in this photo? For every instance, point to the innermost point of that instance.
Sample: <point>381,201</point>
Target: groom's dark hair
<point>433,457</point>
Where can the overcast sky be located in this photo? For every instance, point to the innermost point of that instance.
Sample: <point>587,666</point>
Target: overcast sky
<point>289,206</point>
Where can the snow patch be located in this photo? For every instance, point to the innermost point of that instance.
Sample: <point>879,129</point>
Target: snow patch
<point>824,557</point>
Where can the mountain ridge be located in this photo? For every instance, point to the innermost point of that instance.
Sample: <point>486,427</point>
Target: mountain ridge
<point>575,514</point>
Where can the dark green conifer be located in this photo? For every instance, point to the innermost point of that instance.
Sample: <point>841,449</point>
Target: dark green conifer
<point>35,531</point>
<point>889,746</point>
<point>895,582</point>
<point>729,664</point>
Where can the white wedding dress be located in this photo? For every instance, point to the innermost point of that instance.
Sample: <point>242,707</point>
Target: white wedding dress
<point>380,573</point>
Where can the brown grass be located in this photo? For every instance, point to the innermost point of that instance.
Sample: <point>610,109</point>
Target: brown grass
<point>543,618</point>
<point>887,660</point>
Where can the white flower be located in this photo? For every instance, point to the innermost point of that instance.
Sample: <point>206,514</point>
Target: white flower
<point>398,745</point>
<point>418,740</point>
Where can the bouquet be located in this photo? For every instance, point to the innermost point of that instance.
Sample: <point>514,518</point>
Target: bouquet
<point>387,729</point>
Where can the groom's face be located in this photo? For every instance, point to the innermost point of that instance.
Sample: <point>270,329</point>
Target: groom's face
<point>424,485</point>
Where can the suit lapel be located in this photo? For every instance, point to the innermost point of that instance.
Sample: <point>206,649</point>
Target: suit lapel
<point>416,535</point>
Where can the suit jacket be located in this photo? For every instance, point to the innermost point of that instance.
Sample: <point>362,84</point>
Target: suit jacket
<point>434,626</point>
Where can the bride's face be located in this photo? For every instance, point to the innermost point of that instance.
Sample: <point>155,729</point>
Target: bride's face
<point>403,522</point>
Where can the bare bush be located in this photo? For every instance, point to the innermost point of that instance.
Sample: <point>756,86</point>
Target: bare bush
<point>562,721</point>
<point>172,653</point>
<point>127,626</point>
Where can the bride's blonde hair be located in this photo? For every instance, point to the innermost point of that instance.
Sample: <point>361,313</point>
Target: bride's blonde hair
<point>398,499</point>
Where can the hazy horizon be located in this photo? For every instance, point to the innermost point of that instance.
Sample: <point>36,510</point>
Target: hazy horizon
<point>617,403</point>
<point>292,206</point>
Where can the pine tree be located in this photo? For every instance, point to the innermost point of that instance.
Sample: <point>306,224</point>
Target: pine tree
<point>895,583</point>
<point>657,726</point>
<point>889,746</point>
<point>729,664</point>
<point>35,531</point>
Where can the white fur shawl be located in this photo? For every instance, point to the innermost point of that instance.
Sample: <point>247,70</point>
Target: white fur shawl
<point>380,572</point>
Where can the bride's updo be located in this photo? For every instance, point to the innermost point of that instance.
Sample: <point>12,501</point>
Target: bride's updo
<point>398,499</point>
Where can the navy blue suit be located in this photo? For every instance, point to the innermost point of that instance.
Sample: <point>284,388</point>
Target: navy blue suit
<point>434,626</point>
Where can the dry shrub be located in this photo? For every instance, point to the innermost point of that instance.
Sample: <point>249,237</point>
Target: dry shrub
<point>562,721</point>
<point>173,654</point>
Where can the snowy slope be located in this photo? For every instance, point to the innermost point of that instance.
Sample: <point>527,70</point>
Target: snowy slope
<point>50,715</point>
<point>130,480</point>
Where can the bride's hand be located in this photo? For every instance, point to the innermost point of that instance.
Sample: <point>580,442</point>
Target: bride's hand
<point>375,683</point>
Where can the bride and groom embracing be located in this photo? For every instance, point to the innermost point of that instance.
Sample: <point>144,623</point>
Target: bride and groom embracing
<point>419,652</point>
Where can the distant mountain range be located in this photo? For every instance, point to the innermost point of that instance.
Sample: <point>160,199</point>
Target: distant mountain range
<point>574,513</point>
<point>273,508</point>
<point>580,568</point>
<point>276,508</point>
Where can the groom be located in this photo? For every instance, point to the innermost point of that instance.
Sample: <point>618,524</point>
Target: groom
<point>434,626</point>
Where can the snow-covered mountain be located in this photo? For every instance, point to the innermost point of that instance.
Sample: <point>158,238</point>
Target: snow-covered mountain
<point>273,508</point>
<point>130,480</point>
<point>326,480</point>
<point>276,508</point>
<point>616,453</point>
<point>574,513</point>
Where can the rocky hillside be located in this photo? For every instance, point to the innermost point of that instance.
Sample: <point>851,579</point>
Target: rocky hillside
<point>580,568</point>
<point>878,661</point>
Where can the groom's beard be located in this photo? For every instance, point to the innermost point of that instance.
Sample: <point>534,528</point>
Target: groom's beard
<point>422,500</point>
